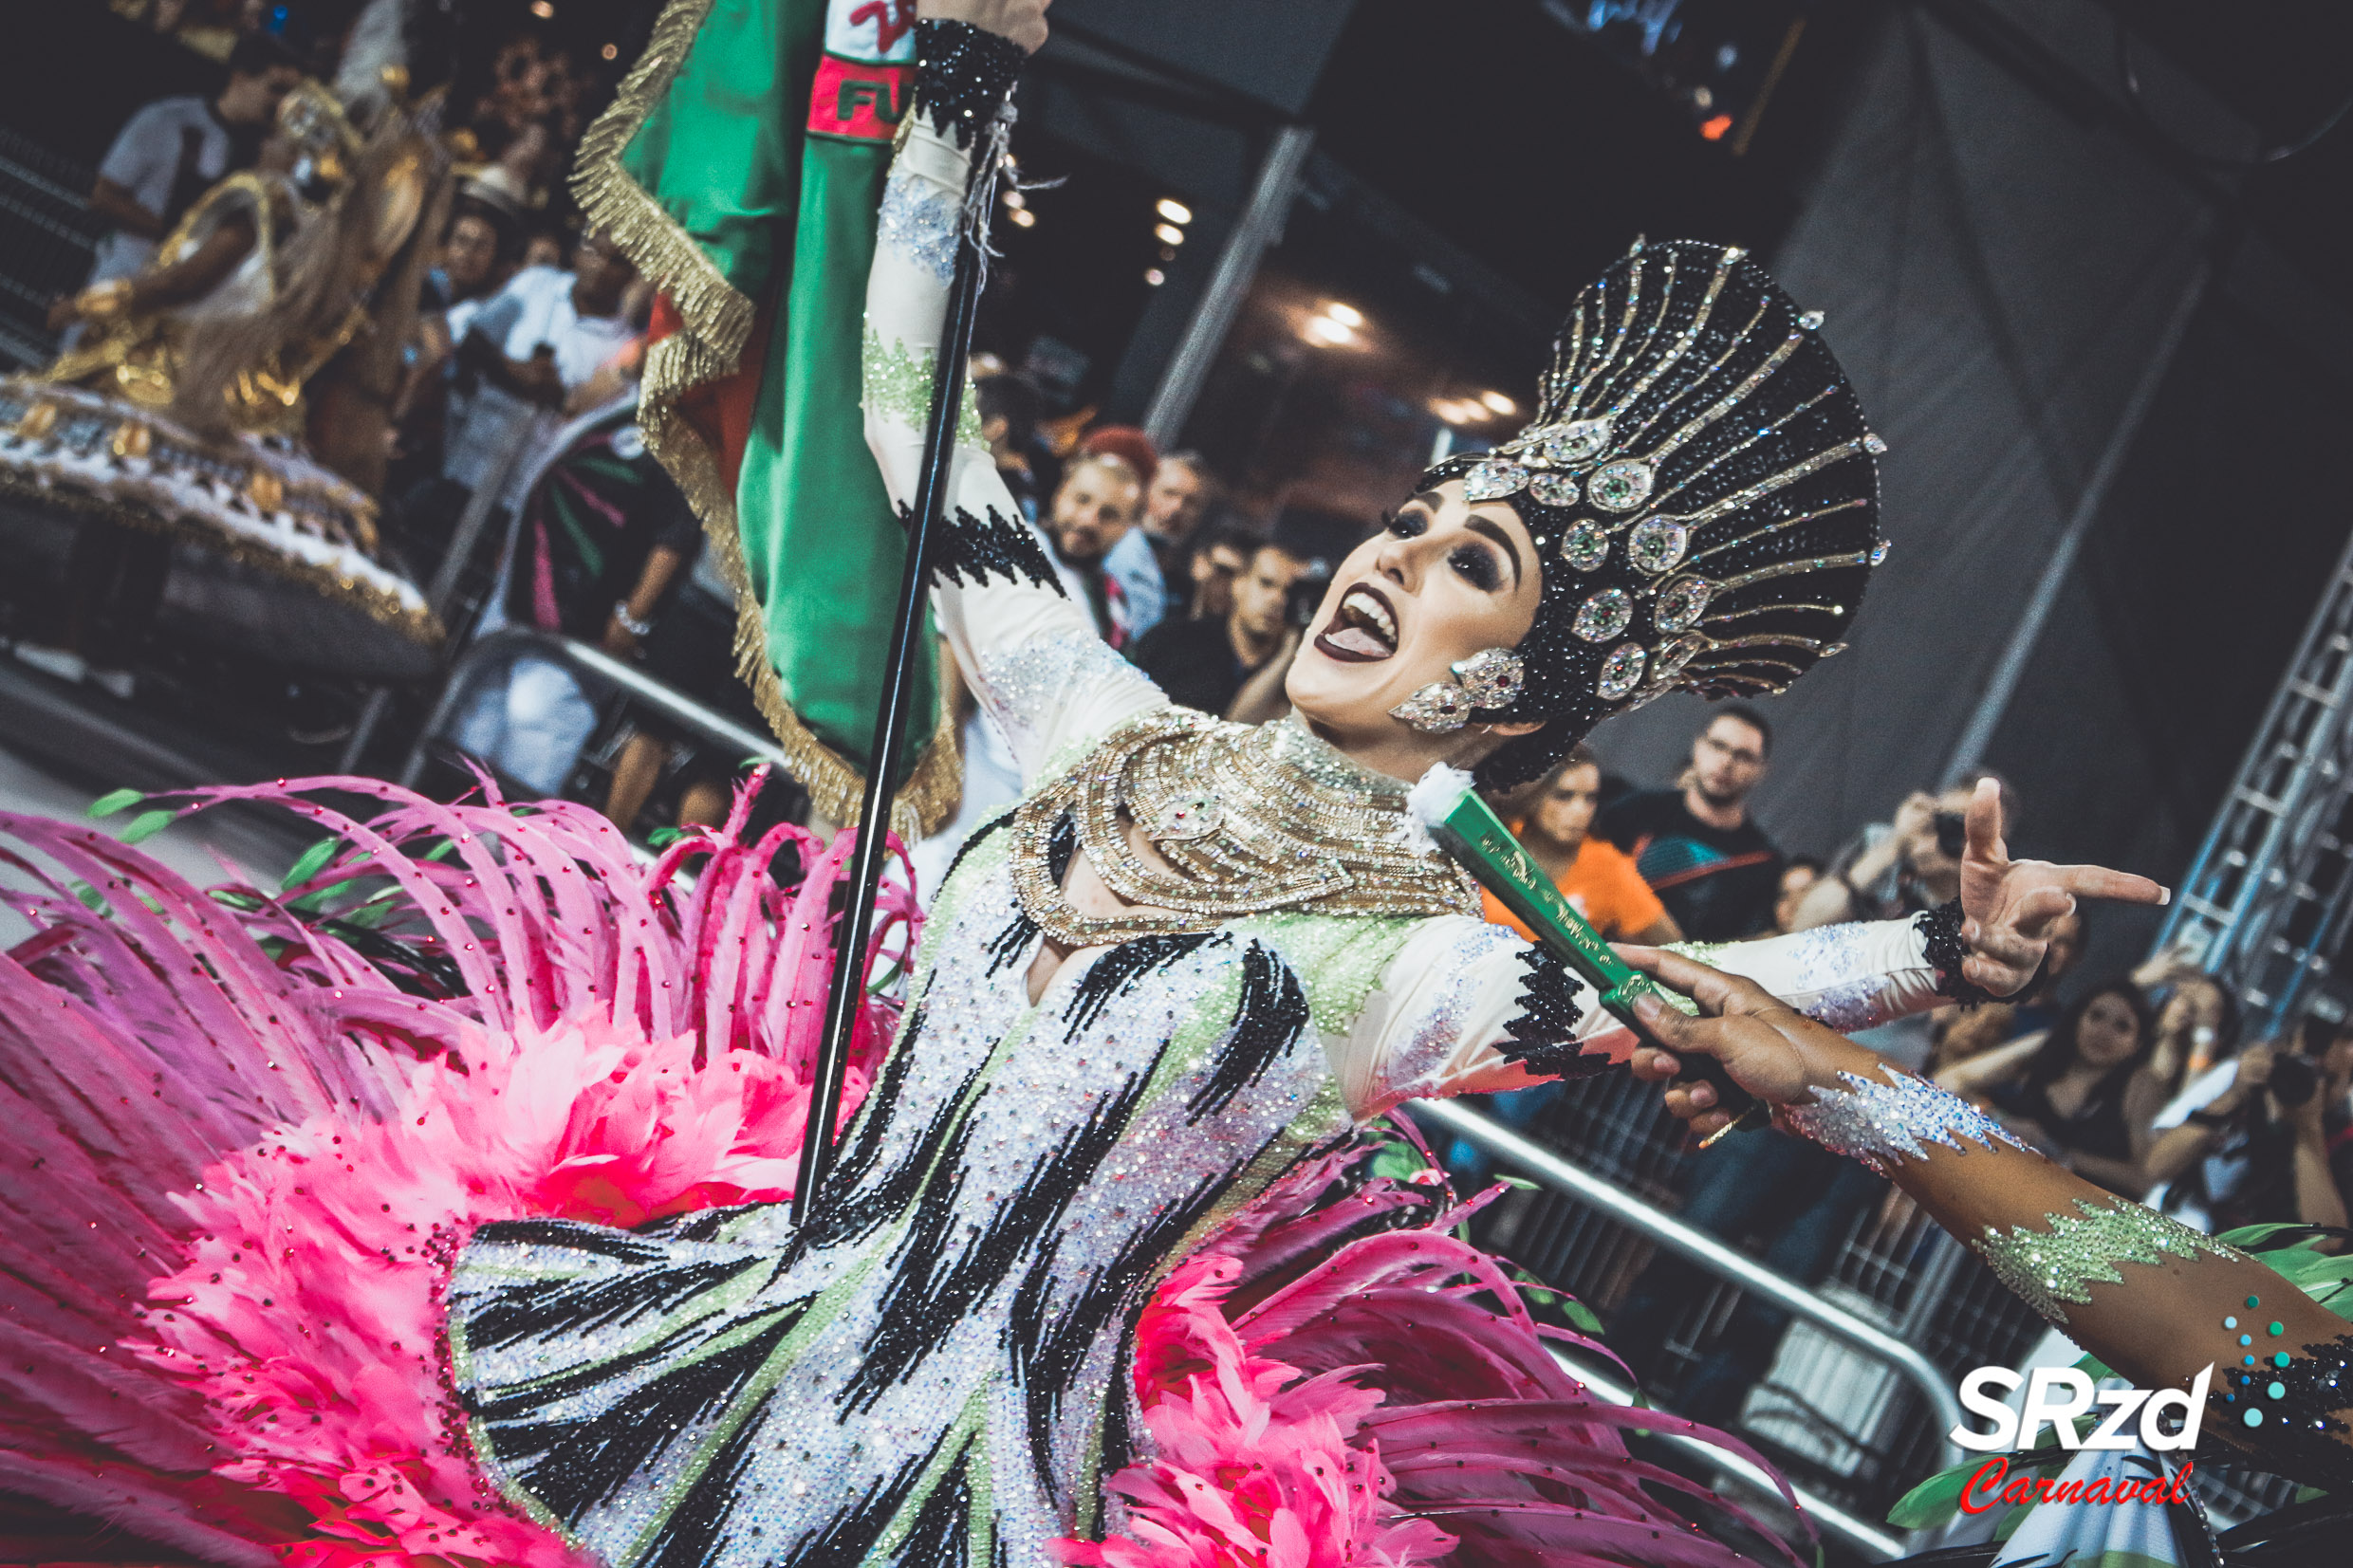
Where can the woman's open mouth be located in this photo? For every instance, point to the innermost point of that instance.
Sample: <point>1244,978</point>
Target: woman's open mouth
<point>1362,629</point>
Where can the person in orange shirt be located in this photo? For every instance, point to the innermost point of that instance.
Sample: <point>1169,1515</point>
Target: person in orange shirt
<point>1593,875</point>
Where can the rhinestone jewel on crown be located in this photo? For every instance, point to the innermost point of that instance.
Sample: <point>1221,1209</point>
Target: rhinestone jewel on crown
<point>1603,616</point>
<point>1681,603</point>
<point>1579,441</point>
<point>1621,672</point>
<point>1656,545</point>
<point>1494,480</point>
<point>1586,546</point>
<point>1621,485</point>
<point>1554,490</point>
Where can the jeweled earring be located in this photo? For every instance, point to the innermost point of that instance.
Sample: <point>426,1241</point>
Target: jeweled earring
<point>1489,678</point>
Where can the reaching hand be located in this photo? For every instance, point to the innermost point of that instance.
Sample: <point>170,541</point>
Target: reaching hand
<point>2009,907</point>
<point>1023,20</point>
<point>1768,1048</point>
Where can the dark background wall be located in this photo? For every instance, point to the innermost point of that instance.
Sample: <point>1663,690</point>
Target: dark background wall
<point>2006,249</point>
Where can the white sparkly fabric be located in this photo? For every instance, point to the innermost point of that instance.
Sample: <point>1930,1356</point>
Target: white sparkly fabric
<point>934,1371</point>
<point>921,222</point>
<point>1876,1119</point>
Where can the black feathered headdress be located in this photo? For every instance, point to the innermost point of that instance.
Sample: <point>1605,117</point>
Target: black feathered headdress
<point>1700,486</point>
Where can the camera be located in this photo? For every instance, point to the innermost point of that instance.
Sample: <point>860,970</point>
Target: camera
<point>1951,833</point>
<point>2294,1080</point>
<point>1307,592</point>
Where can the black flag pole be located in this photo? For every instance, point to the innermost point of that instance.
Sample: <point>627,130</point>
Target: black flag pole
<point>855,925</point>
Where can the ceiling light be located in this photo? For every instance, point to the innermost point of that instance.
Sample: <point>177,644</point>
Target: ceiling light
<point>611,51</point>
<point>1175,210</point>
<point>1450,411</point>
<point>1022,217</point>
<point>1155,277</point>
<point>1346,315</point>
<point>1170,234</point>
<point>1322,329</point>
<point>1497,401</point>
<point>1013,198</point>
<point>544,10</point>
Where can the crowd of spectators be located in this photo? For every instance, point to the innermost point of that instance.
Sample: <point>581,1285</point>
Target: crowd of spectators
<point>523,365</point>
<point>2136,1081</point>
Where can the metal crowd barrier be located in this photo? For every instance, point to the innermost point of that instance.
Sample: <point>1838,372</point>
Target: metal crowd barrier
<point>491,652</point>
<point>46,237</point>
<point>1857,1335</point>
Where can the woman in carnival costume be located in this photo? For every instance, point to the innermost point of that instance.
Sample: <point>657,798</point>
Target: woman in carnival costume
<point>187,412</point>
<point>430,1211</point>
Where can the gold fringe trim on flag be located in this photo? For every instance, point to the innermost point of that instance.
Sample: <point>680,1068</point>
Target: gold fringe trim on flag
<point>716,320</point>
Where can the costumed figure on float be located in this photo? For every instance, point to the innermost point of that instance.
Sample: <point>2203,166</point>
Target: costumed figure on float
<point>429,1211</point>
<point>223,413</point>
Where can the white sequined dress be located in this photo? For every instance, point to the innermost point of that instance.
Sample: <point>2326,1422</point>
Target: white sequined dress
<point>932,1370</point>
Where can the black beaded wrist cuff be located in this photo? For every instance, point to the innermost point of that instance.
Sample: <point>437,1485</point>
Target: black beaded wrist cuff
<point>963,75</point>
<point>1940,929</point>
<point>2288,1410</point>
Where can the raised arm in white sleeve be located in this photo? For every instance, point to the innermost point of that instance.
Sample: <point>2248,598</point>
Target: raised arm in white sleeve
<point>1031,654</point>
<point>1468,1007</point>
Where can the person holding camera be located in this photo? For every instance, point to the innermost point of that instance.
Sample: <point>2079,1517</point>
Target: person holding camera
<point>1205,664</point>
<point>1900,867</point>
<point>2263,1138</point>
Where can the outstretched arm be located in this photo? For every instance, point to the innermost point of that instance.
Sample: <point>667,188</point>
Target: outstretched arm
<point>1480,1010</point>
<point>1032,656</point>
<point>2156,1301</point>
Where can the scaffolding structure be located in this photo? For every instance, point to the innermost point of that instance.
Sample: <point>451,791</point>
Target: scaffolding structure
<point>2266,901</point>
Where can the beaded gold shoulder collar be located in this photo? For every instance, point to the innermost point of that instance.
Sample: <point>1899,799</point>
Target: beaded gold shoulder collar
<point>1248,817</point>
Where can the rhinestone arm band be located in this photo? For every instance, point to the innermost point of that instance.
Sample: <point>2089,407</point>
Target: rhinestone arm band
<point>963,75</point>
<point>1940,934</point>
<point>2049,1267</point>
<point>1877,1119</point>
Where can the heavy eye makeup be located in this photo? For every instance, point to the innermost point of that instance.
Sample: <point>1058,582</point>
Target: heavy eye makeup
<point>1473,562</point>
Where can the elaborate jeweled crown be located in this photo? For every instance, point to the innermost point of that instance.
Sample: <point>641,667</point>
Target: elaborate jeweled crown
<point>1700,486</point>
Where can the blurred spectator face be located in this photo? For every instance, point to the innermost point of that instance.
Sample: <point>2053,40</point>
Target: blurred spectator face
<point>1095,508</point>
<point>601,275</point>
<point>2066,946</point>
<point>1260,592</point>
<point>1563,813</point>
<point>1794,881</point>
<point>1728,759</point>
<point>543,251</point>
<point>470,254</point>
<point>1213,572</point>
<point>1173,507</point>
<point>251,98</point>
<point>2108,1034</point>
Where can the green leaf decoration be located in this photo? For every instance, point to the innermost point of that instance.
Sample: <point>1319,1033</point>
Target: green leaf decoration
<point>114,801</point>
<point>147,825</point>
<point>1520,1182</point>
<point>1581,1317</point>
<point>1933,1501</point>
<point>662,838</point>
<point>310,863</point>
<point>2250,1238</point>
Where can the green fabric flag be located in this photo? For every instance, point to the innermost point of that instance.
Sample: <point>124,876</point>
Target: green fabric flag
<point>741,167</point>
